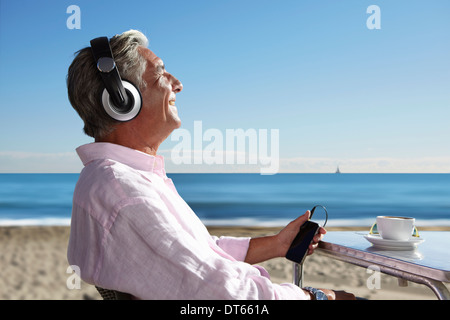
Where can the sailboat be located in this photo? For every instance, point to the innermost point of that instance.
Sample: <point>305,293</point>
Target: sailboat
<point>337,170</point>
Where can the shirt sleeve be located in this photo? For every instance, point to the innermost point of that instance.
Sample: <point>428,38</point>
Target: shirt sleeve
<point>236,247</point>
<point>156,258</point>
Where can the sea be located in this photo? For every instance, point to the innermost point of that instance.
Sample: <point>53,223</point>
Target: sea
<point>252,199</point>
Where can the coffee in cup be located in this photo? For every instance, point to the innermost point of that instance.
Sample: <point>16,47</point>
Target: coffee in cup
<point>395,228</point>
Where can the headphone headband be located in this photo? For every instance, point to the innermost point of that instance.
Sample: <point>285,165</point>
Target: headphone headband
<point>101,48</point>
<point>121,99</point>
<point>108,70</point>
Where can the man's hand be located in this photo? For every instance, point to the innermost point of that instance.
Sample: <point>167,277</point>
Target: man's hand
<point>333,294</point>
<point>269,247</point>
<point>338,295</point>
<point>287,235</point>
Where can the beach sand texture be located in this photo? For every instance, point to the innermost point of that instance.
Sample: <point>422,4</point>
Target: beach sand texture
<point>33,266</point>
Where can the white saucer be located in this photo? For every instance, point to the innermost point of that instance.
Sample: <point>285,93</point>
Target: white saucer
<point>410,244</point>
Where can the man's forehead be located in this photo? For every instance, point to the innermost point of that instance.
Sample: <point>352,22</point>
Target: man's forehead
<point>151,57</point>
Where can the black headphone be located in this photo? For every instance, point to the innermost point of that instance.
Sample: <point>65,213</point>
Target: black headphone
<point>121,99</point>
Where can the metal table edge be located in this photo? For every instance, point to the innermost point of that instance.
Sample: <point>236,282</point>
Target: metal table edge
<point>366,259</point>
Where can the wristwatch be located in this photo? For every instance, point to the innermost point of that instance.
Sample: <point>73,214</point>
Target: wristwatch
<point>317,293</point>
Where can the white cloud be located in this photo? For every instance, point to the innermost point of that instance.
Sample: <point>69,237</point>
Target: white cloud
<point>31,162</point>
<point>367,165</point>
<point>68,162</point>
<point>326,165</point>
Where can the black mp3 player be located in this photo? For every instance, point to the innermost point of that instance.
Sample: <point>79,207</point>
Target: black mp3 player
<point>299,247</point>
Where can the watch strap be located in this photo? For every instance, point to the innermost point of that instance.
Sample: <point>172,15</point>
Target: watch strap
<point>317,293</point>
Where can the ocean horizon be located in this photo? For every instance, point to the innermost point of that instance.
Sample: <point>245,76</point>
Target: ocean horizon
<point>250,199</point>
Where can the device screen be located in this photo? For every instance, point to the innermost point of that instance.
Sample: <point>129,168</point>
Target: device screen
<point>299,247</point>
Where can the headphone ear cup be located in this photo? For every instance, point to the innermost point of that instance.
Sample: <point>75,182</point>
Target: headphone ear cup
<point>133,108</point>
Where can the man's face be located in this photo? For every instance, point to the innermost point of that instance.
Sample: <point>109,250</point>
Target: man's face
<point>159,111</point>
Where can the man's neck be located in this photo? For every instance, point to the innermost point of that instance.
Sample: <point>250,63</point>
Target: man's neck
<point>149,148</point>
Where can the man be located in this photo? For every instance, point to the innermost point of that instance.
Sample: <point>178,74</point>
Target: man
<point>130,229</point>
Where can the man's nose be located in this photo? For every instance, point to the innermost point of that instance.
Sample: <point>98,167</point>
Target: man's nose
<point>177,86</point>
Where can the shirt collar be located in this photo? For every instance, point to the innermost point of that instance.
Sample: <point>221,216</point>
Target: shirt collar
<point>130,157</point>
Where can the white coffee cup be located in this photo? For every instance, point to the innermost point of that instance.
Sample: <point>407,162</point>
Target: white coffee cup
<point>395,228</point>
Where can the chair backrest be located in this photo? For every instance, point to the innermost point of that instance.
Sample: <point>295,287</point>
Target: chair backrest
<point>113,294</point>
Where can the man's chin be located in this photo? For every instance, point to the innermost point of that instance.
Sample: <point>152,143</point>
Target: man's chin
<point>173,114</point>
<point>176,119</point>
<point>175,122</point>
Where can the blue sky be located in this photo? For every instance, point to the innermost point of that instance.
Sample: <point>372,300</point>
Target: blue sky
<point>338,92</point>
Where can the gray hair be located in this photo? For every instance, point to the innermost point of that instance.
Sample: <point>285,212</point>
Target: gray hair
<point>84,83</point>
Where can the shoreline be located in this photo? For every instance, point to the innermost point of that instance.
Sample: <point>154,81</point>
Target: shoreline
<point>348,228</point>
<point>34,266</point>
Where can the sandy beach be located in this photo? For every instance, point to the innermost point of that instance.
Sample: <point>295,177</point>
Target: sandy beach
<point>33,266</point>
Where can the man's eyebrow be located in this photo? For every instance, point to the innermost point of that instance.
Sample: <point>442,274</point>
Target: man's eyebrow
<point>160,66</point>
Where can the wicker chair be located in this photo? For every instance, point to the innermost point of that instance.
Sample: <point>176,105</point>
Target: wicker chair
<point>113,294</point>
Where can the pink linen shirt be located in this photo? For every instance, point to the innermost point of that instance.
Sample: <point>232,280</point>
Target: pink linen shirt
<point>132,232</point>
